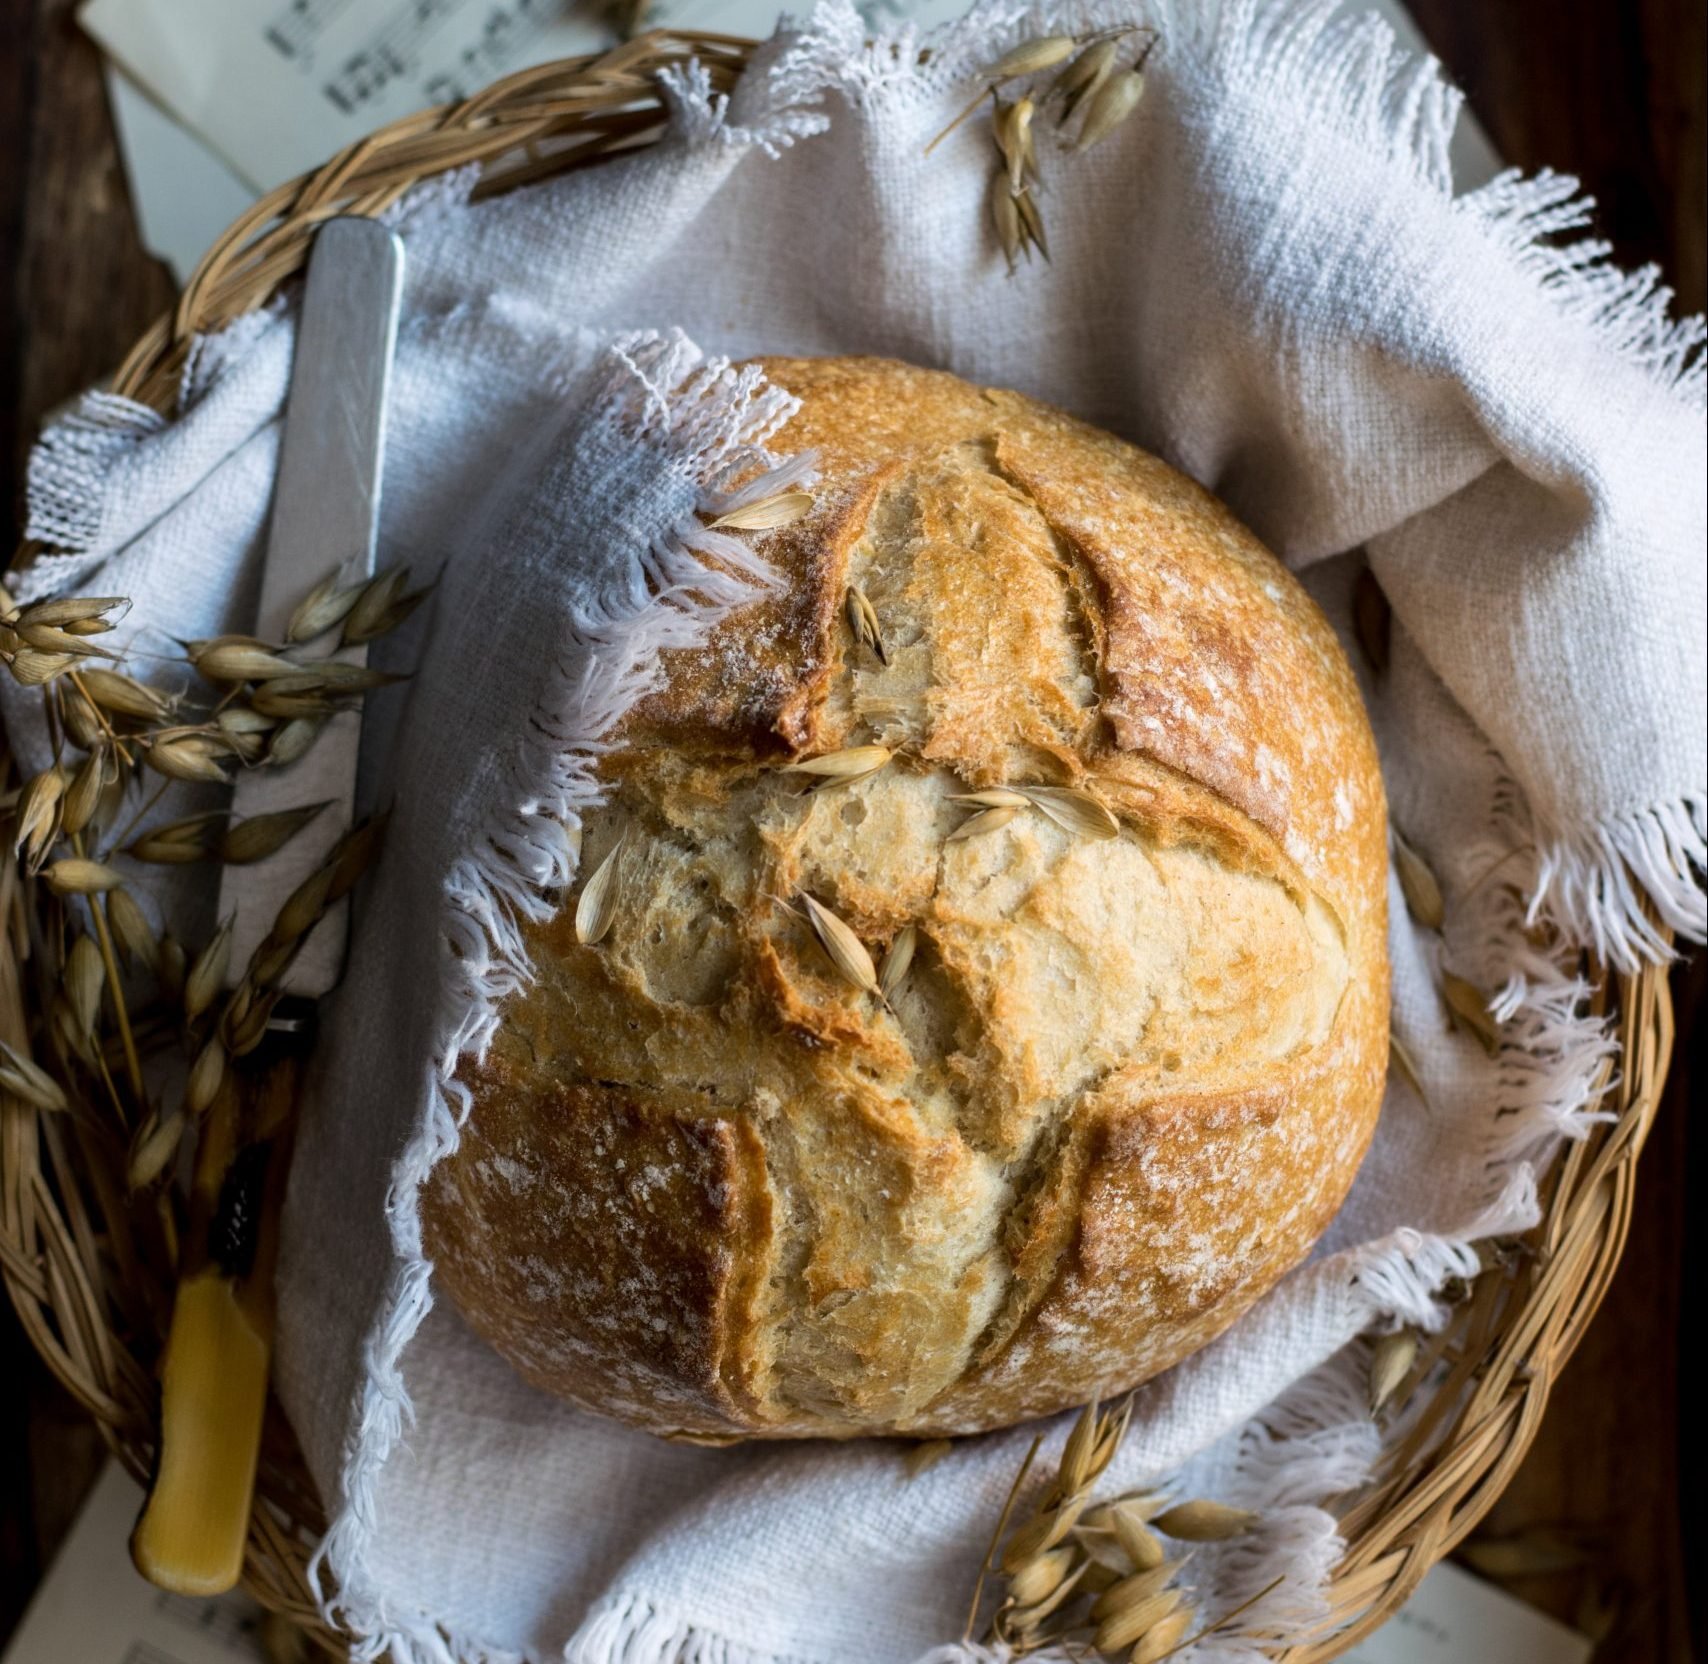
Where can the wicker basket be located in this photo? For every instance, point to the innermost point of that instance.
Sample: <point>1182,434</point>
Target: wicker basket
<point>94,1301</point>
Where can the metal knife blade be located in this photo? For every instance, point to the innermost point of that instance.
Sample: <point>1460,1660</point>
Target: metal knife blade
<point>325,515</point>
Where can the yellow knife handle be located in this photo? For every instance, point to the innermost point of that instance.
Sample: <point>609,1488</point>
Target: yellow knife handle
<point>213,1388</point>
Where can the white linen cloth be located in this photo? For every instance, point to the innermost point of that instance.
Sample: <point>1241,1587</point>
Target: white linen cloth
<point>1264,277</point>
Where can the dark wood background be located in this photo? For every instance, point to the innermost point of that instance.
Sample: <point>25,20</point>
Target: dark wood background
<point>1610,90</point>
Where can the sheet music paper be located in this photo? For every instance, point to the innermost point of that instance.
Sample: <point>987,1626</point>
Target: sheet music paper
<point>277,86</point>
<point>1455,1618</point>
<point>184,196</point>
<point>94,1607</point>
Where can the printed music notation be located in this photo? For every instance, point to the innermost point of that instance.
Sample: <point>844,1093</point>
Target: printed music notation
<point>277,86</point>
<point>223,1621</point>
<point>503,32</point>
<point>293,31</point>
<point>390,53</point>
<point>446,48</point>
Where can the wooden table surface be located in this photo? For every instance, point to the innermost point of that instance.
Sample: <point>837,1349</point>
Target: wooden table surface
<point>1610,90</point>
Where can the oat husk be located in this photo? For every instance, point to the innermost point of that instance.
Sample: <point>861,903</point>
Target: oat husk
<point>153,1149</point>
<point>207,972</point>
<point>328,604</point>
<point>1406,1067</point>
<point>1110,107</point>
<point>988,820</point>
<point>596,911</point>
<point>1470,1009</point>
<point>1164,1638</point>
<point>1121,1597</point>
<point>206,1075</point>
<point>29,1081</point>
<point>38,815</point>
<point>863,624</point>
<point>897,961</point>
<point>263,835</point>
<point>768,514</point>
<point>852,763</point>
<point>76,875</point>
<point>1200,1520</point>
<point>841,946</point>
<point>1117,1633</point>
<point>1030,57</point>
<point>926,1454</point>
<point>1074,810</point>
<point>1418,884</point>
<point>1391,1360</point>
<point>132,934</point>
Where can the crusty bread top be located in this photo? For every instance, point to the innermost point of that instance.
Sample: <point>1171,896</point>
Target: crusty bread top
<point>1203,655</point>
<point>1126,1082</point>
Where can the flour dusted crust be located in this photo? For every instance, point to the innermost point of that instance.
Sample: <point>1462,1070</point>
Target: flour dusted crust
<point>709,1188</point>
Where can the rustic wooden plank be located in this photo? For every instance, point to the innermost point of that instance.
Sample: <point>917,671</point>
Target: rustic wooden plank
<point>19,1552</point>
<point>1612,93</point>
<point>84,285</point>
<point>17,81</point>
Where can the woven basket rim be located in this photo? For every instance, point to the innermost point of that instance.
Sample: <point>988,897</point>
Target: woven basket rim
<point>1505,1345</point>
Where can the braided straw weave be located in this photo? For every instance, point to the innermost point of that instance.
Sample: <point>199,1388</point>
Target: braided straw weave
<point>96,1307</point>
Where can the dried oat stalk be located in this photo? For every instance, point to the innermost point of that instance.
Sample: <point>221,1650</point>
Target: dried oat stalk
<point>1081,1573</point>
<point>1092,84</point>
<point>80,826</point>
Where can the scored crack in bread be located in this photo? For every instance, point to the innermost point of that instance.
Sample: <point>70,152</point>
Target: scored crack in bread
<point>710,1187</point>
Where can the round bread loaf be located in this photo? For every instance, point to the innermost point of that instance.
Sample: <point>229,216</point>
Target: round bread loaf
<point>710,1186</point>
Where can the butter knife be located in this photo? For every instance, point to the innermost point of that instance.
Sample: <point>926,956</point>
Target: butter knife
<point>190,1536</point>
<point>325,517</point>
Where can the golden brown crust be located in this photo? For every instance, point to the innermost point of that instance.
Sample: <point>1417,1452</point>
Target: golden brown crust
<point>575,1200</point>
<point>709,1187</point>
<point>1189,1207</point>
